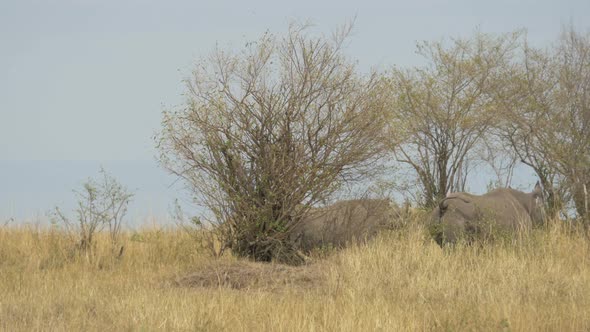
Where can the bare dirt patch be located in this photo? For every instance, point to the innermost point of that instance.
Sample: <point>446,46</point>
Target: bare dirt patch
<point>250,275</point>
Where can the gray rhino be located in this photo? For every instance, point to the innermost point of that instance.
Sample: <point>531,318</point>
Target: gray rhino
<point>343,222</point>
<point>505,210</point>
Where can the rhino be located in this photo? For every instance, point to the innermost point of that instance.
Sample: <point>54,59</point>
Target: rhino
<point>347,221</point>
<point>500,211</point>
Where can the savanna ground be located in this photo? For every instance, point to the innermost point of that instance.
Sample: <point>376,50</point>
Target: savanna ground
<point>401,281</point>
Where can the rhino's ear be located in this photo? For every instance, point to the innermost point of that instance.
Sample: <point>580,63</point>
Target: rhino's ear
<point>538,191</point>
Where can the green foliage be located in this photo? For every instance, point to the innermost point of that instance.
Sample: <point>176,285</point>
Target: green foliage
<point>443,112</point>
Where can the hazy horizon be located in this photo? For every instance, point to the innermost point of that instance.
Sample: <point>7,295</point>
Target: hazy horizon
<point>52,183</point>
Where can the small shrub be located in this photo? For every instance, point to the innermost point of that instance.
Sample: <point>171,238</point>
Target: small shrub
<point>101,204</point>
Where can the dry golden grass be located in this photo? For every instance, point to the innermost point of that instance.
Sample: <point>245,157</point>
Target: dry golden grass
<point>402,281</point>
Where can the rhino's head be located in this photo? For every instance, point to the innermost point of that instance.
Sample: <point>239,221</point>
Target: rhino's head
<point>453,218</point>
<point>537,210</point>
<point>533,203</point>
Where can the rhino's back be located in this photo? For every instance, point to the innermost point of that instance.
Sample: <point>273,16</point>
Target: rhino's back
<point>503,208</point>
<point>343,222</point>
<point>462,215</point>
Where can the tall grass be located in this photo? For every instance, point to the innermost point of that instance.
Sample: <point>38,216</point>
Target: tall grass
<point>400,281</point>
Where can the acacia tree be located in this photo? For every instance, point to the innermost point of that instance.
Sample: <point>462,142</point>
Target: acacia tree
<point>524,124</point>
<point>443,111</point>
<point>269,132</point>
<point>548,119</point>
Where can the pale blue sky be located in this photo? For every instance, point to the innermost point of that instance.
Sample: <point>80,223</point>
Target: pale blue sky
<point>87,80</point>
